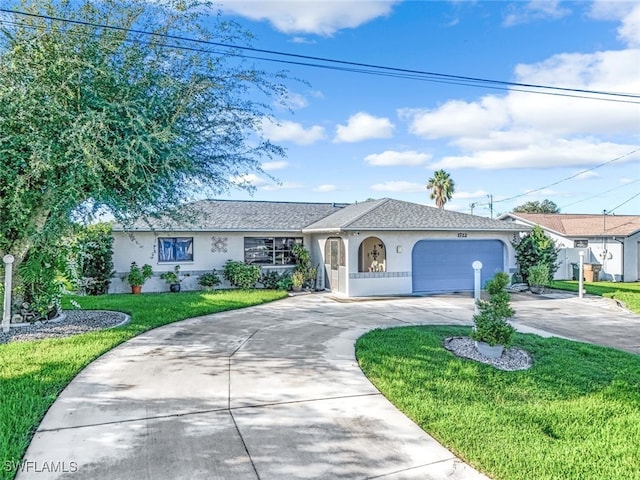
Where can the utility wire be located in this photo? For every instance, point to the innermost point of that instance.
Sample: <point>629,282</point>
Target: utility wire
<point>599,194</point>
<point>569,177</point>
<point>400,71</point>
<point>624,203</point>
<point>373,69</point>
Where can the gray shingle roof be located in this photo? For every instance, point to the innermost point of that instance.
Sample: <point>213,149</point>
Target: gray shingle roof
<point>232,215</point>
<point>390,214</point>
<point>257,216</point>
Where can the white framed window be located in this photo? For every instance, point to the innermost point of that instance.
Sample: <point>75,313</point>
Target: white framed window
<point>269,250</point>
<point>175,249</point>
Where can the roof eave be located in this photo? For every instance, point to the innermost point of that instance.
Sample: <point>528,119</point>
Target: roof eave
<point>208,229</point>
<point>413,229</point>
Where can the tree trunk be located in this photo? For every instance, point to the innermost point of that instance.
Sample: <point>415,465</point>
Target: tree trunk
<point>20,247</point>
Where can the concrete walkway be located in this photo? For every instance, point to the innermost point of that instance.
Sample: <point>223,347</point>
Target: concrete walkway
<point>270,392</point>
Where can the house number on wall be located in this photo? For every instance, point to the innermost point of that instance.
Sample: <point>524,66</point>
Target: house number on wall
<point>462,235</point>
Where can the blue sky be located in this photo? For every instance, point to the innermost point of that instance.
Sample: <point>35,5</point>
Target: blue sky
<point>352,136</point>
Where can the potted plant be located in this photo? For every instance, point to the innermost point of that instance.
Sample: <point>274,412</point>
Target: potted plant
<point>538,277</point>
<point>297,280</point>
<point>491,331</point>
<point>209,280</point>
<point>173,279</point>
<point>138,276</point>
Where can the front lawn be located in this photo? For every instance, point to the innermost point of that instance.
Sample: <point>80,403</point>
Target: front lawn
<point>574,415</point>
<point>627,293</point>
<point>32,374</point>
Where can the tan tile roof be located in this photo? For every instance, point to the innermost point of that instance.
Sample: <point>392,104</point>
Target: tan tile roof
<point>585,225</point>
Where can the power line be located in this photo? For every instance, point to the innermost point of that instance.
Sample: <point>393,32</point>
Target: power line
<point>346,69</point>
<point>569,177</point>
<point>378,69</point>
<point>624,203</point>
<point>371,69</point>
<point>599,194</point>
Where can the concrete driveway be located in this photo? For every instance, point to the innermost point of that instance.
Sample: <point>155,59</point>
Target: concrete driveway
<point>269,392</point>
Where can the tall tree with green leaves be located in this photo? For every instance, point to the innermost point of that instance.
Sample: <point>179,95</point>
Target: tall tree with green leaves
<point>442,187</point>
<point>545,206</point>
<point>95,118</point>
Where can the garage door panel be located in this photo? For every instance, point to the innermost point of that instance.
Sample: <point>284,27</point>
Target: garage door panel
<point>445,265</point>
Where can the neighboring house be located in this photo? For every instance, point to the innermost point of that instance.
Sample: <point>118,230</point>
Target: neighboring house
<point>378,247</point>
<point>610,241</point>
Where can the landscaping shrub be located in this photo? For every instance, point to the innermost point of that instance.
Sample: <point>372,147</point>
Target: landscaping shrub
<point>539,275</point>
<point>536,248</point>
<point>209,280</point>
<point>270,279</point>
<point>491,322</point>
<point>240,274</point>
<point>286,282</point>
<point>304,265</point>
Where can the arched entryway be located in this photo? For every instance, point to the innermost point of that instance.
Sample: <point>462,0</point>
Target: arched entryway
<point>372,255</point>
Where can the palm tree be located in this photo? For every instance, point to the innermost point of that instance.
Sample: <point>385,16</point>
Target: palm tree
<point>442,187</point>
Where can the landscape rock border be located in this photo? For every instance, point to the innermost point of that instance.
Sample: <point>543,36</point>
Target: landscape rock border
<point>512,359</point>
<point>74,322</point>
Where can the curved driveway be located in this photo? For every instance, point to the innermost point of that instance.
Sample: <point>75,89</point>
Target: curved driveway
<point>269,392</point>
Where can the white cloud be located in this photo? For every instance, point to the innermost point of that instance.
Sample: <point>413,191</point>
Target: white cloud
<point>534,10</point>
<point>287,131</point>
<point>363,126</point>
<point>249,179</point>
<point>627,12</point>
<point>399,186</point>
<point>608,10</point>
<point>629,31</point>
<point>585,175</point>
<point>283,186</point>
<point>391,158</point>
<point>546,152</point>
<point>467,195</point>
<point>524,130</point>
<point>302,40</point>
<point>457,117</point>
<point>325,188</point>
<point>295,101</point>
<point>277,165</point>
<point>313,17</point>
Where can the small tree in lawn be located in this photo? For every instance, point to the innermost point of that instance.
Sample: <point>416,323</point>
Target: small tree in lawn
<point>491,322</point>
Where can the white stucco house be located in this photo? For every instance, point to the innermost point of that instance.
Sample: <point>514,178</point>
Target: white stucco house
<point>610,241</point>
<point>378,247</point>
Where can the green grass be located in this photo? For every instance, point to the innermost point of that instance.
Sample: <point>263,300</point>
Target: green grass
<point>627,293</point>
<point>574,415</point>
<point>32,374</point>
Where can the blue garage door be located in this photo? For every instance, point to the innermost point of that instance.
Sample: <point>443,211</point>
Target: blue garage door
<point>445,265</point>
